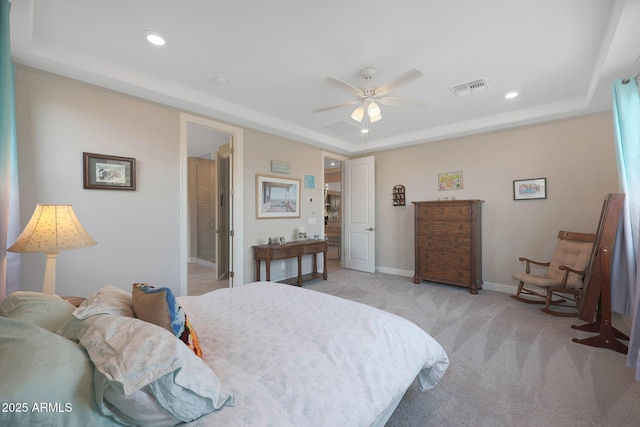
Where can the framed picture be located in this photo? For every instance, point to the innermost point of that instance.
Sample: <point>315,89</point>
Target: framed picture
<point>450,181</point>
<point>527,189</point>
<point>277,197</point>
<point>309,181</point>
<point>103,172</point>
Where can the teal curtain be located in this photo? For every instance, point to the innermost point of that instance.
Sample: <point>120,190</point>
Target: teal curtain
<point>10,279</point>
<point>625,280</point>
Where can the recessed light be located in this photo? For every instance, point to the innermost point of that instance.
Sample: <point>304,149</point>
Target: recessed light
<point>154,38</point>
<point>219,81</point>
<point>511,95</point>
<point>364,130</point>
<point>333,163</point>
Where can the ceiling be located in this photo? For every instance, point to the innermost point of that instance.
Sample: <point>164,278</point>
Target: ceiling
<point>274,56</point>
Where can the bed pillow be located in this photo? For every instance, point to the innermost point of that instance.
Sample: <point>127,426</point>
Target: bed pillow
<point>47,311</point>
<point>108,300</point>
<point>137,362</point>
<point>46,380</point>
<point>160,307</point>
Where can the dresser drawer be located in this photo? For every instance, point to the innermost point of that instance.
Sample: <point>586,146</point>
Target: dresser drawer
<point>429,244</point>
<point>314,248</point>
<point>443,227</point>
<point>444,211</point>
<point>460,259</point>
<point>443,273</point>
<point>282,252</point>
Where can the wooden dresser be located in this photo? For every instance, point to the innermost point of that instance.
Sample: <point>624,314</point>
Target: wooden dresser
<point>448,243</point>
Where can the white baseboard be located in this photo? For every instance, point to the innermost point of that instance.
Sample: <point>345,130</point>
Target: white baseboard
<point>499,287</point>
<point>394,271</point>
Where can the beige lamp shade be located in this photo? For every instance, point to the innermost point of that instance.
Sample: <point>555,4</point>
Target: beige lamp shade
<point>51,229</point>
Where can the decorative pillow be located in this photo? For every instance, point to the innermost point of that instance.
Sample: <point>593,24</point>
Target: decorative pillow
<point>47,311</point>
<point>46,380</point>
<point>108,300</point>
<point>137,363</point>
<point>160,307</point>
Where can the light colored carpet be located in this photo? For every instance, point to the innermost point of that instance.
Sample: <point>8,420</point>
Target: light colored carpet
<point>510,364</point>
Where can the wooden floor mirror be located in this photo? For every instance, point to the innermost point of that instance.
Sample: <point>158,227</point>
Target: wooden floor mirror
<point>595,301</point>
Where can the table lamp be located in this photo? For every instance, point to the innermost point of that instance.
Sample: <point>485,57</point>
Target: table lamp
<point>51,229</point>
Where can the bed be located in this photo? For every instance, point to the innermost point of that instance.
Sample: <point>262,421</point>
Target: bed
<point>270,355</point>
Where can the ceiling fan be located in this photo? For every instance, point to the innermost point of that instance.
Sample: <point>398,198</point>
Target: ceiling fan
<point>368,98</point>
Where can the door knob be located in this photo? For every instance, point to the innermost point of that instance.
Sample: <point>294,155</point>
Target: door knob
<point>370,229</point>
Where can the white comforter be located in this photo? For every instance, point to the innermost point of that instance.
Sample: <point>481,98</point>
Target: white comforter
<point>297,357</point>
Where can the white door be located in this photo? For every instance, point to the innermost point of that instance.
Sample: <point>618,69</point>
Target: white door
<point>360,214</point>
<point>223,212</point>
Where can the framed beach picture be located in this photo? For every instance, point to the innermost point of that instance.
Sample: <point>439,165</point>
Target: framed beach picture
<point>528,189</point>
<point>277,197</point>
<point>104,172</point>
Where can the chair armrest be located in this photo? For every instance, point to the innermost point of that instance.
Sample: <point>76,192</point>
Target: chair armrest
<point>568,270</point>
<point>530,261</point>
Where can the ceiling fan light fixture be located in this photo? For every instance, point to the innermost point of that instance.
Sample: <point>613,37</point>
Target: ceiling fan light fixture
<point>374,112</point>
<point>358,114</point>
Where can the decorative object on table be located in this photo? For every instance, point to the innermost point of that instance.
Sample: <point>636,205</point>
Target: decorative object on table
<point>103,172</point>
<point>282,241</point>
<point>277,197</point>
<point>398,195</point>
<point>527,189</point>
<point>51,229</point>
<point>450,181</point>
<point>309,181</point>
<point>302,234</point>
<point>280,167</point>
<point>270,241</point>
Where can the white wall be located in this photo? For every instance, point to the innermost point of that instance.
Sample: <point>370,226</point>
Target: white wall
<point>259,149</point>
<point>576,156</point>
<point>137,231</point>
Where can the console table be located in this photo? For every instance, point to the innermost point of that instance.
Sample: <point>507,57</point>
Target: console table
<point>297,249</point>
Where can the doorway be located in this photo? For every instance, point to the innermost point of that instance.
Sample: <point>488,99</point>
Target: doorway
<point>209,256</point>
<point>332,207</point>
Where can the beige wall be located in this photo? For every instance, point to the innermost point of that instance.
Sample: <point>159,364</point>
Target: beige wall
<point>259,149</point>
<point>138,232</point>
<point>576,156</point>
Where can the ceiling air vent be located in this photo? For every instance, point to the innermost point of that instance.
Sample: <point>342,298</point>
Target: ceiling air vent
<point>469,88</point>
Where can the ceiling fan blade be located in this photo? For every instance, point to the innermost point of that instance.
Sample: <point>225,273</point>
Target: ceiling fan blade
<point>345,86</point>
<point>331,107</point>
<point>397,101</point>
<point>403,79</point>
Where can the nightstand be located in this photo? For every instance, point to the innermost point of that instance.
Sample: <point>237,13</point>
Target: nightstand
<point>75,301</point>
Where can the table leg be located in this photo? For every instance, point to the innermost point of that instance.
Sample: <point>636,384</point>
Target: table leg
<point>299,270</point>
<point>257,270</point>
<point>324,260</point>
<point>315,265</point>
<point>267,269</point>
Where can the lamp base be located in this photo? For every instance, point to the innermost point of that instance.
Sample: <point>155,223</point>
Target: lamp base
<point>49,284</point>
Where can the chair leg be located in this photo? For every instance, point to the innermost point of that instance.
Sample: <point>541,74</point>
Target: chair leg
<point>523,290</point>
<point>549,301</point>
